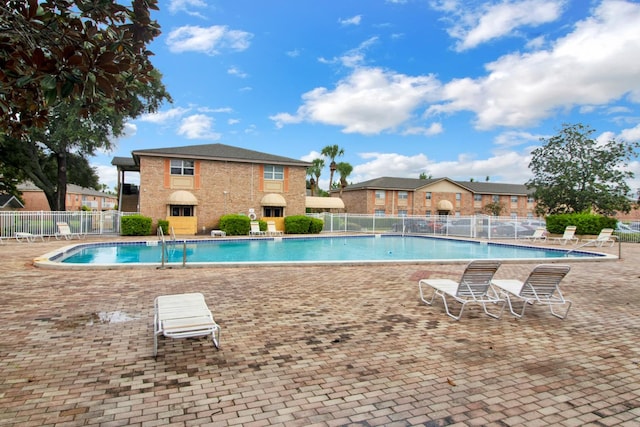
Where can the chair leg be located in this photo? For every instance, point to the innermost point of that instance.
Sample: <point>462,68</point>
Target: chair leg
<point>561,316</point>
<point>446,308</point>
<point>511,309</point>
<point>495,316</point>
<point>430,302</point>
<point>215,336</point>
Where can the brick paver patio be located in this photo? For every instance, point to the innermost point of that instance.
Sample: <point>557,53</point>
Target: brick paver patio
<point>325,346</point>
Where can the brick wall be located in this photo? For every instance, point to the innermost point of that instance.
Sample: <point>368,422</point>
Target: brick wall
<point>221,188</point>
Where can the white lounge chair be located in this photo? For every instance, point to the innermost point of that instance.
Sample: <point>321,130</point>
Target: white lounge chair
<point>541,287</point>
<point>183,316</point>
<point>64,232</point>
<point>255,229</point>
<point>473,287</point>
<point>271,229</point>
<point>539,235</point>
<point>28,237</point>
<point>567,237</point>
<point>605,236</point>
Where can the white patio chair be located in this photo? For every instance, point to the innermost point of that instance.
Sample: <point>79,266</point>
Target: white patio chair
<point>541,287</point>
<point>271,229</point>
<point>605,236</point>
<point>255,229</point>
<point>567,237</point>
<point>539,235</point>
<point>473,287</point>
<point>64,232</point>
<point>183,316</point>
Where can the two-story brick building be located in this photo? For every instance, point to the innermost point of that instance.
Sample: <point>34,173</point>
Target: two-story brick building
<point>440,196</point>
<point>193,186</point>
<point>78,198</point>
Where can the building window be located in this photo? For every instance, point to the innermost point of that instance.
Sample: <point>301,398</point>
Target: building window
<point>274,172</point>
<point>514,199</point>
<point>403,195</point>
<point>495,198</point>
<point>182,167</point>
<point>273,211</point>
<point>380,194</point>
<point>530,199</point>
<point>428,195</point>
<point>379,212</point>
<point>477,197</point>
<point>458,196</point>
<point>178,210</point>
<point>427,213</point>
<point>402,212</point>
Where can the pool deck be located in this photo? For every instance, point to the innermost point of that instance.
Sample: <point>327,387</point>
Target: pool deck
<point>304,346</point>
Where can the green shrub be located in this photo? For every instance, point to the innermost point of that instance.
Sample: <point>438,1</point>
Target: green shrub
<point>297,224</point>
<point>302,224</point>
<point>164,225</point>
<point>586,223</point>
<point>235,225</point>
<point>316,226</point>
<point>135,225</point>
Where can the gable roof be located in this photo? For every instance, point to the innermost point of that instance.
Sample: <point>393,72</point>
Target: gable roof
<point>8,200</point>
<point>218,152</point>
<point>71,189</point>
<point>413,184</point>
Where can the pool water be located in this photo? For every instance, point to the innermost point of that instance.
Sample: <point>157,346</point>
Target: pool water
<point>312,250</point>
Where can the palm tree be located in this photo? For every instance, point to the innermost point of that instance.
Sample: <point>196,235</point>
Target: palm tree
<point>332,151</point>
<point>315,170</point>
<point>344,169</point>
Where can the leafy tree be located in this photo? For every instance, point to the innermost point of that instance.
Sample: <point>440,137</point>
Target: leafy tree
<point>73,98</point>
<point>574,173</point>
<point>493,208</point>
<point>10,178</point>
<point>332,151</point>
<point>423,175</point>
<point>94,52</point>
<point>344,169</point>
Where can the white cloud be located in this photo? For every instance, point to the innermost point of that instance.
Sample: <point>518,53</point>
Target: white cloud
<point>162,117</point>
<point>198,126</point>
<point>208,40</point>
<point>473,26</point>
<point>354,57</point>
<point>630,135</point>
<point>355,20</point>
<point>522,89</point>
<point>186,6</point>
<point>389,164</point>
<point>504,167</point>
<point>369,101</point>
<point>311,156</point>
<point>516,138</point>
<point>236,72</point>
<point>293,53</point>
<point>434,129</point>
<point>233,121</point>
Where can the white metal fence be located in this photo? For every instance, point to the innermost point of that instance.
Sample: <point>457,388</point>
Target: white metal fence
<point>477,226</point>
<point>43,223</point>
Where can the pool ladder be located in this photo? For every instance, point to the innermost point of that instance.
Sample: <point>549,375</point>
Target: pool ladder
<point>165,249</point>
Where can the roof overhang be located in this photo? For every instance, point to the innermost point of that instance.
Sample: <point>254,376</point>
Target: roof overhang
<point>183,198</point>
<point>324,202</point>
<point>273,199</point>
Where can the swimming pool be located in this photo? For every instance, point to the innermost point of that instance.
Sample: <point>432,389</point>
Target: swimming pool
<point>312,250</point>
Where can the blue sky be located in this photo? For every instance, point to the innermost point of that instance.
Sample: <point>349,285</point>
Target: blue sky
<point>452,88</point>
